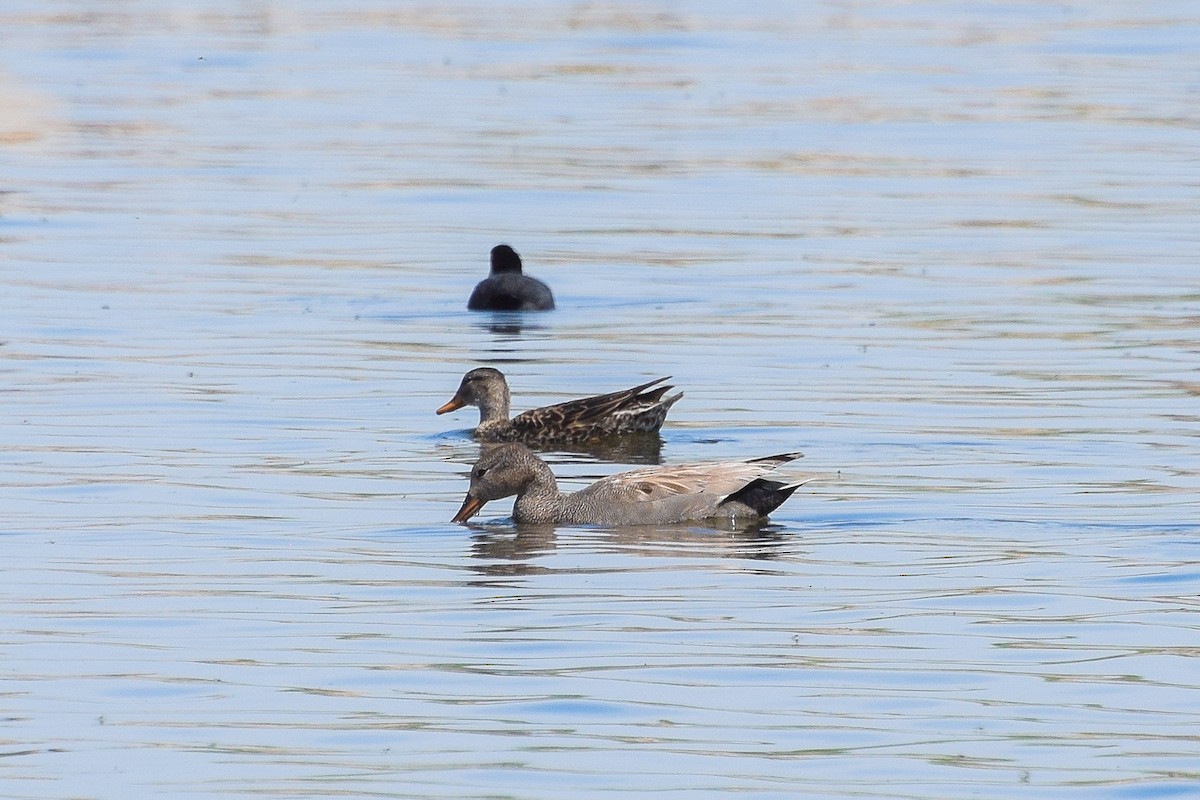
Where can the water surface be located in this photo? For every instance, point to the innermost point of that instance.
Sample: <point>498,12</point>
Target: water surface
<point>948,251</point>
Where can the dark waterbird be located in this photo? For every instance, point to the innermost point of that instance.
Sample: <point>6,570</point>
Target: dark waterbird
<point>507,289</point>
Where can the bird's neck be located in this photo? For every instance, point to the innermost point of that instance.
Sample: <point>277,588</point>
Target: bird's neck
<point>540,501</point>
<point>494,407</point>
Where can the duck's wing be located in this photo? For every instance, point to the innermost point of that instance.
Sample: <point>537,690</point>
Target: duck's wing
<point>587,411</point>
<point>717,480</point>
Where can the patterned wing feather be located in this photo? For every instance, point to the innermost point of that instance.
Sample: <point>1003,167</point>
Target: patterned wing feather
<point>589,413</point>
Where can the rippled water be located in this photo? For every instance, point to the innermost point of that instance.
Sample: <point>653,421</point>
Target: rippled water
<point>948,250</point>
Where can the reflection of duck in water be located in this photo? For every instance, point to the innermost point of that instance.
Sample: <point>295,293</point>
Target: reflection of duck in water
<point>500,549</point>
<point>641,409</point>
<point>507,289</point>
<point>726,490</point>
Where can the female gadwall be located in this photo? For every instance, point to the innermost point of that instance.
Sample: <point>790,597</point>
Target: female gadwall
<point>727,490</point>
<point>637,410</point>
<point>506,289</point>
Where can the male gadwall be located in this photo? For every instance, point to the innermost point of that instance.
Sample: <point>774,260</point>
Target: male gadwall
<point>637,410</point>
<point>506,289</point>
<point>726,490</point>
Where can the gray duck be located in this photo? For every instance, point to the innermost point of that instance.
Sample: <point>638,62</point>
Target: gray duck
<point>734,491</point>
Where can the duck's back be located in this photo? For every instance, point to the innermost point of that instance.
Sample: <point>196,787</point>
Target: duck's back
<point>511,292</point>
<point>657,495</point>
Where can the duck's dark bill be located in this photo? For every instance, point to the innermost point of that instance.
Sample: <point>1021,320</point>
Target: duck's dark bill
<point>470,508</point>
<point>453,404</point>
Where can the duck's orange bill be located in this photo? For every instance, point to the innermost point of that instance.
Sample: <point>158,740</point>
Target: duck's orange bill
<point>470,508</point>
<point>453,404</point>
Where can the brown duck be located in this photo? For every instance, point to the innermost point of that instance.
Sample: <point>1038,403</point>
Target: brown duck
<point>641,409</point>
<point>736,491</point>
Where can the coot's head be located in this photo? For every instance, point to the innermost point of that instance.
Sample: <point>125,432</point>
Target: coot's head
<point>505,259</point>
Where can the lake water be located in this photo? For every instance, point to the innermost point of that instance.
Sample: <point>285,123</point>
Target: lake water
<point>951,251</point>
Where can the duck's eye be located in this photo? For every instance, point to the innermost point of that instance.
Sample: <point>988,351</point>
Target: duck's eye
<point>480,472</point>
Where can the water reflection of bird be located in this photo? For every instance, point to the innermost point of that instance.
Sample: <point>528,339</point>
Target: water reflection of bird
<point>725,490</point>
<point>502,549</point>
<point>638,410</point>
<point>507,288</point>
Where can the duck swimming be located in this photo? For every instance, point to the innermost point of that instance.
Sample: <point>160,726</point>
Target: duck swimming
<point>641,409</point>
<point>735,491</point>
<point>507,288</point>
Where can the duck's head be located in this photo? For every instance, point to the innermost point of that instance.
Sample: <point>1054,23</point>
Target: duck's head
<point>501,471</point>
<point>483,387</point>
